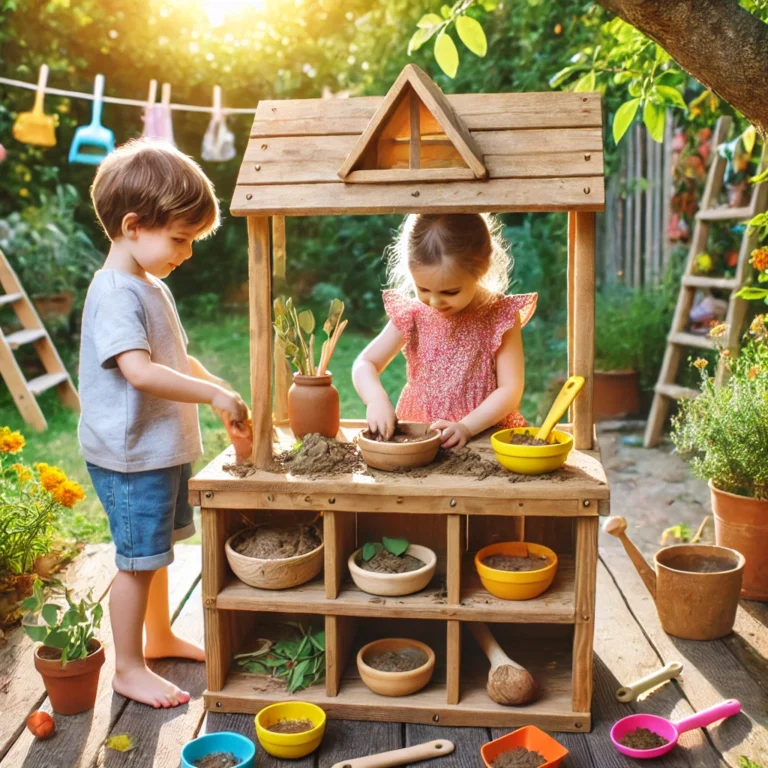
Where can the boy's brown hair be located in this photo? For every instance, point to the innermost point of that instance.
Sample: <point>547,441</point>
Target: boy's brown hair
<point>156,182</point>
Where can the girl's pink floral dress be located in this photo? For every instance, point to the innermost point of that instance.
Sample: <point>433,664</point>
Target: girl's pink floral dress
<point>450,361</point>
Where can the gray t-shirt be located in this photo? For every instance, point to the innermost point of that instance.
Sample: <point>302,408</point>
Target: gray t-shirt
<point>121,428</point>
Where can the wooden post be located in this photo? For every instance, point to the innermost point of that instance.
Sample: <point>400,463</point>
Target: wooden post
<point>282,382</point>
<point>584,629</point>
<point>278,247</point>
<point>414,153</point>
<point>581,332</point>
<point>260,301</point>
<point>453,657</point>
<point>454,554</point>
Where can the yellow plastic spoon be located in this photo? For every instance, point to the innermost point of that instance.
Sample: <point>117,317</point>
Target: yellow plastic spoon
<point>564,398</point>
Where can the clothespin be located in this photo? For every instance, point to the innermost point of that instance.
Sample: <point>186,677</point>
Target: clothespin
<point>152,97</point>
<point>217,111</point>
<point>165,99</point>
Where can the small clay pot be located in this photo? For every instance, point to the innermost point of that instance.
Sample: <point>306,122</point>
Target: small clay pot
<point>72,688</point>
<point>741,523</point>
<point>395,683</point>
<point>313,406</point>
<point>282,573</point>
<point>395,584</point>
<point>393,456</point>
<point>54,306</point>
<point>615,394</point>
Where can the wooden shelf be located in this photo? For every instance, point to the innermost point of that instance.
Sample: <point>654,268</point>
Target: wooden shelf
<point>555,606</point>
<point>561,494</point>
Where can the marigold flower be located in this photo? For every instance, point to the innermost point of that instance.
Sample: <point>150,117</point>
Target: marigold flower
<point>50,477</point>
<point>718,330</point>
<point>705,263</point>
<point>700,363</point>
<point>759,259</point>
<point>10,442</point>
<point>69,493</point>
<point>24,474</point>
<point>759,328</point>
<point>753,371</point>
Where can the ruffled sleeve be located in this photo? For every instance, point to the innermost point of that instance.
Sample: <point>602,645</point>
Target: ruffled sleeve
<point>401,311</point>
<point>504,315</point>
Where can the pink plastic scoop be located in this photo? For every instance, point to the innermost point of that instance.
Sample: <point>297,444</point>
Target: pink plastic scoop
<point>667,729</point>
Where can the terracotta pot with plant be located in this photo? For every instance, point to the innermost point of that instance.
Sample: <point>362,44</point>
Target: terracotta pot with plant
<point>392,567</point>
<point>724,434</point>
<point>313,402</point>
<point>68,656</point>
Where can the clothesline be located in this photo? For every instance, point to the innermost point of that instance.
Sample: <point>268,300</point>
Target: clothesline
<point>126,102</point>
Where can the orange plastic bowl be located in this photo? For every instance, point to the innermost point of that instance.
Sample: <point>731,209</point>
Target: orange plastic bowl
<point>530,737</point>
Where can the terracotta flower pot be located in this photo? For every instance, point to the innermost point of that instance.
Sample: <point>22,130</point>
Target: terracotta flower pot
<point>72,689</point>
<point>395,683</point>
<point>313,406</point>
<point>615,394</point>
<point>54,306</point>
<point>741,523</point>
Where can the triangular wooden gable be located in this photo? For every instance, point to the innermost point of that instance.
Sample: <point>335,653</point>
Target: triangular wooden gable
<point>414,96</point>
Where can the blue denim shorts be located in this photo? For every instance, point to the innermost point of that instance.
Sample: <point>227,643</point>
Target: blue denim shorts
<point>147,512</point>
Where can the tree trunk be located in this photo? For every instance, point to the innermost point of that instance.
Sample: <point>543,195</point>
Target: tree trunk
<point>718,42</point>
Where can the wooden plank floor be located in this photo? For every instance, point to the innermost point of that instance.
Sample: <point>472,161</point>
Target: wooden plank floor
<point>629,642</point>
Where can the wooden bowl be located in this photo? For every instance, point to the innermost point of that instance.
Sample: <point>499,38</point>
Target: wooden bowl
<point>274,574</point>
<point>394,584</point>
<point>395,683</point>
<point>393,456</point>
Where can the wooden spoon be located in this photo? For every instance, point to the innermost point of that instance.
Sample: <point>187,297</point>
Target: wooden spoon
<point>406,756</point>
<point>508,682</point>
<point>564,398</point>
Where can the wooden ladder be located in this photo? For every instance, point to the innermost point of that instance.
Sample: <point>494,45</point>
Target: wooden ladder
<point>33,332</point>
<point>666,389</point>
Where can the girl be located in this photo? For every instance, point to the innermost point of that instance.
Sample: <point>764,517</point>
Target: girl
<point>458,331</point>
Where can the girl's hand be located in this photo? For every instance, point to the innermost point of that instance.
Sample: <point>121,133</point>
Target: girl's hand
<point>381,418</point>
<point>454,433</point>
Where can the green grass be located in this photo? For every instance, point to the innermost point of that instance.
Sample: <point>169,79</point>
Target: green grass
<point>222,346</point>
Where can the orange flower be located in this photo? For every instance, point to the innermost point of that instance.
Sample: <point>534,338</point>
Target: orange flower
<point>759,328</point>
<point>753,371</point>
<point>759,259</point>
<point>700,363</point>
<point>50,477</point>
<point>718,330</point>
<point>10,442</point>
<point>22,472</point>
<point>69,493</point>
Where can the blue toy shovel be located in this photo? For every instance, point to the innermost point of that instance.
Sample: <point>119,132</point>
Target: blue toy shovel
<point>92,143</point>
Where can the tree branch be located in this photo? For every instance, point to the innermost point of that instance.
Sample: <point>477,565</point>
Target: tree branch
<point>717,41</point>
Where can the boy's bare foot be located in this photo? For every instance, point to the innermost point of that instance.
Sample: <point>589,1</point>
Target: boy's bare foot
<point>143,685</point>
<point>174,647</point>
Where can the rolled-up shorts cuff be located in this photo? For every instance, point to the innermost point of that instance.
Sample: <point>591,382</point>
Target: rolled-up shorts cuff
<point>185,532</point>
<point>150,563</point>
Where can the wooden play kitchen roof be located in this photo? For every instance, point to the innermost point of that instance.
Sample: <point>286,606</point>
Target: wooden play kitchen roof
<point>418,149</point>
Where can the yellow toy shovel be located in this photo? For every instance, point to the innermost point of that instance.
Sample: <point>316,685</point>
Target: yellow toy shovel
<point>566,396</point>
<point>36,127</point>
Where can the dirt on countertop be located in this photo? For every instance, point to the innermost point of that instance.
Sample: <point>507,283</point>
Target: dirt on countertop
<point>398,661</point>
<point>278,542</point>
<point>386,562</point>
<point>519,757</point>
<point>510,563</point>
<point>291,726</point>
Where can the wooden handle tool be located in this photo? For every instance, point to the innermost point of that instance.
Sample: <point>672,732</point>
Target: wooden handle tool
<point>406,756</point>
<point>617,526</point>
<point>631,691</point>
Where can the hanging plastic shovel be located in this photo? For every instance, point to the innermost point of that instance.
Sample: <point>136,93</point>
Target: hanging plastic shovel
<point>218,141</point>
<point>36,127</point>
<point>92,143</point>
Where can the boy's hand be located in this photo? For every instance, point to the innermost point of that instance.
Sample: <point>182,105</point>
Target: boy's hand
<point>381,418</point>
<point>454,433</point>
<point>231,404</point>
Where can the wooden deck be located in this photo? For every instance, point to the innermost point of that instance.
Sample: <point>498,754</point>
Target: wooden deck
<point>629,642</point>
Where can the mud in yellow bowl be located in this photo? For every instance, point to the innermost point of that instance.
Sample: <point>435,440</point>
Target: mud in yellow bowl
<point>290,746</point>
<point>531,459</point>
<point>516,585</point>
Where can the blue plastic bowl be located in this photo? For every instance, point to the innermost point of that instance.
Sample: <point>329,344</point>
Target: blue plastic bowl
<point>223,741</point>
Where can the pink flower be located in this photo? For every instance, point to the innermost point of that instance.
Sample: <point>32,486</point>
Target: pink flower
<point>3,153</point>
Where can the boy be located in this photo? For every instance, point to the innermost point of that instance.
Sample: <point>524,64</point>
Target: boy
<point>139,391</point>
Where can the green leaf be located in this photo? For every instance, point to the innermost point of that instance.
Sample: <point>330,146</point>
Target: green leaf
<point>662,57</point>
<point>445,11</point>
<point>472,35</point>
<point>671,77</point>
<point>307,321</point>
<point>745,762</point>
<point>623,118</point>
<point>318,640</point>
<point>369,551</point>
<point>50,614</point>
<point>748,139</point>
<point>419,37</point>
<point>751,293</point>
<point>396,547</point>
<point>559,77</point>
<point>622,77</point>
<point>334,313</point>
<point>585,84</point>
<point>69,619</point>
<point>446,54</point>
<point>429,20</point>
<point>671,96</point>
<point>654,117</point>
<point>35,632</point>
<point>57,639</point>
<point>30,605</point>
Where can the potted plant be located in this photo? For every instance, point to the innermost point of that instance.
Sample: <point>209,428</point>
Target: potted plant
<point>276,556</point>
<point>392,567</point>
<point>68,655</point>
<point>51,252</point>
<point>313,402</point>
<point>630,333</point>
<point>724,434</point>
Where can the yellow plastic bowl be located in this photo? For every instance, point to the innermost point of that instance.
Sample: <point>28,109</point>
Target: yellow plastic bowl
<point>290,746</point>
<point>516,585</point>
<point>531,459</point>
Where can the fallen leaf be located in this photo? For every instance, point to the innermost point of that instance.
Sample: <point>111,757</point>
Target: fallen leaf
<point>120,742</point>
